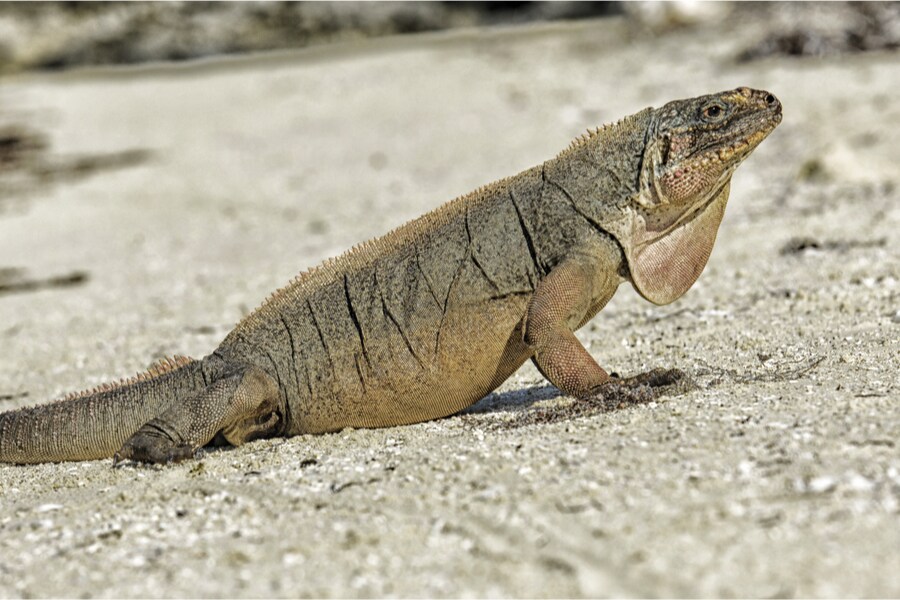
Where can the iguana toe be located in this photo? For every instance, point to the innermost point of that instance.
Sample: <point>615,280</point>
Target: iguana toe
<point>644,387</point>
<point>653,378</point>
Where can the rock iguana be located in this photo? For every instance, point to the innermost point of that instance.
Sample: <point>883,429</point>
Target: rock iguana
<point>431,317</point>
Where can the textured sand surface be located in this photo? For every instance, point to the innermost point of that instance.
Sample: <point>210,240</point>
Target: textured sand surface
<point>779,476</point>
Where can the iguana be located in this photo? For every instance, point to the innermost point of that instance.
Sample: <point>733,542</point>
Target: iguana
<point>431,317</point>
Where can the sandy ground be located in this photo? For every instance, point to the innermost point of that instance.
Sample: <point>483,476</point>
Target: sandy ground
<point>778,477</point>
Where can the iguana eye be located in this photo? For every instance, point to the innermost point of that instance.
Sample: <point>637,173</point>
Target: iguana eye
<point>713,112</point>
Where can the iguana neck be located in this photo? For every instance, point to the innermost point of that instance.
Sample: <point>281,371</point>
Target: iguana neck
<point>600,171</point>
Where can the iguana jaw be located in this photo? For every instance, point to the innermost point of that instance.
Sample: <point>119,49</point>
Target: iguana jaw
<point>731,156</point>
<point>721,160</point>
<point>689,159</point>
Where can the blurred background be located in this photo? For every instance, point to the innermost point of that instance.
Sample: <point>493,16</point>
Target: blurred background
<point>44,37</point>
<point>59,35</point>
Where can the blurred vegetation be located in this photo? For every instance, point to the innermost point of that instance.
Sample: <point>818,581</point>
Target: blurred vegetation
<point>54,35</point>
<point>59,35</point>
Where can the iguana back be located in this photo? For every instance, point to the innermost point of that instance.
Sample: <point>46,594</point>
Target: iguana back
<point>415,325</point>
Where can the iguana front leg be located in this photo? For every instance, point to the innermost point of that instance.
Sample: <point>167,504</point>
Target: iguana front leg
<point>242,405</point>
<point>562,302</point>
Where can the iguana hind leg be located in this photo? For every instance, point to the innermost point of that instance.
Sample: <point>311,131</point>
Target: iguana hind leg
<point>240,406</point>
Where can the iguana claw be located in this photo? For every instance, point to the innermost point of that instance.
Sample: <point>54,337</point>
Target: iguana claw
<point>619,392</point>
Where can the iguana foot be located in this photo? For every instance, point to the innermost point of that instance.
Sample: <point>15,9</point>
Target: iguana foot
<point>619,392</point>
<point>149,446</point>
<point>242,406</point>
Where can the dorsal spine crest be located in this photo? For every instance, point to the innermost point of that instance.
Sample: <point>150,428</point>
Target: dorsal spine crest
<point>159,368</point>
<point>362,253</point>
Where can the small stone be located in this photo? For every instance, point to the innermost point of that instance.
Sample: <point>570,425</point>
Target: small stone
<point>821,485</point>
<point>860,483</point>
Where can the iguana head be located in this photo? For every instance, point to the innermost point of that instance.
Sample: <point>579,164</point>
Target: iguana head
<point>693,147</point>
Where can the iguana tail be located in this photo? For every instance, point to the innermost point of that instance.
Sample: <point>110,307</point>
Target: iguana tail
<point>94,424</point>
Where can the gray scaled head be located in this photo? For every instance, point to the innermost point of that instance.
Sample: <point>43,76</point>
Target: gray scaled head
<point>696,144</point>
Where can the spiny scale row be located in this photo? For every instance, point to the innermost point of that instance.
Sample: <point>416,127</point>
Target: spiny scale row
<point>387,242</point>
<point>589,135</point>
<point>162,367</point>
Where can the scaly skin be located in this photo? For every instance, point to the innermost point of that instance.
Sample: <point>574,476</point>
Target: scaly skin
<point>430,318</point>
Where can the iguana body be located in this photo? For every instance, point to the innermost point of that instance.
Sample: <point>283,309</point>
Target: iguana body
<point>430,318</point>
